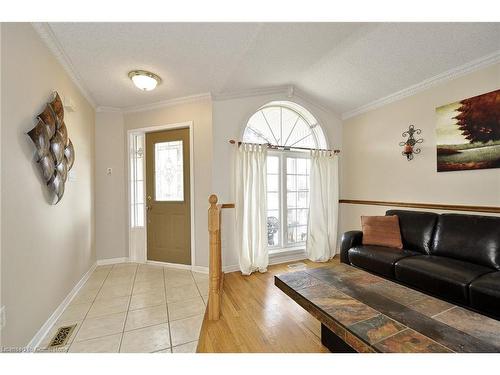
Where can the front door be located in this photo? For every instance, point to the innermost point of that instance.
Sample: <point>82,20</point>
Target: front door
<point>168,196</point>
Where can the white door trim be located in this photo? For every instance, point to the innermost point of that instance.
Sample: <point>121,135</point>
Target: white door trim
<point>141,254</point>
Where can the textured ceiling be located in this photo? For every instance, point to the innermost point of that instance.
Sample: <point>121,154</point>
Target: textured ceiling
<point>341,65</point>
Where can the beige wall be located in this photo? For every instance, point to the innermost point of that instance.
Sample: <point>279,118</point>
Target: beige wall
<point>200,113</point>
<point>374,168</point>
<point>230,118</point>
<point>110,190</point>
<point>46,249</point>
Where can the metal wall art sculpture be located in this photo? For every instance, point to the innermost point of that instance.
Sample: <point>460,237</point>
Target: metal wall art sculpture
<point>54,150</point>
<point>409,145</point>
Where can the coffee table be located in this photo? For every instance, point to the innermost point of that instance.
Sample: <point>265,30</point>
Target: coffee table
<point>361,312</point>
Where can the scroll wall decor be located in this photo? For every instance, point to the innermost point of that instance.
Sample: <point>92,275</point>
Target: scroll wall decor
<point>54,150</point>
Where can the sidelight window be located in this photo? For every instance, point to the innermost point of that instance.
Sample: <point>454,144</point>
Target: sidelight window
<point>136,144</point>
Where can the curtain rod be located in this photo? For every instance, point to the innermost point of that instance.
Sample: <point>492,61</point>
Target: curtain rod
<point>286,148</point>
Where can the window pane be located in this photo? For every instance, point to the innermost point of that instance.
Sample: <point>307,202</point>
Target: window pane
<point>273,228</point>
<point>297,199</point>
<point>139,192</point>
<point>273,165</point>
<point>292,234</point>
<point>139,173</point>
<point>291,183</point>
<point>289,119</point>
<point>291,200</point>
<point>132,216</point>
<point>302,233</point>
<point>302,182</point>
<point>292,217</point>
<point>139,213</point>
<point>136,142</point>
<point>132,192</point>
<point>273,213</point>
<point>259,130</point>
<point>273,201</point>
<point>273,120</point>
<point>272,182</point>
<point>291,165</point>
<point>301,166</point>
<point>301,136</point>
<point>169,172</point>
<point>302,216</point>
<point>302,199</point>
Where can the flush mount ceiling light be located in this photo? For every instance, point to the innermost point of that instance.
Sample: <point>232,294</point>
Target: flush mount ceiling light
<point>144,80</point>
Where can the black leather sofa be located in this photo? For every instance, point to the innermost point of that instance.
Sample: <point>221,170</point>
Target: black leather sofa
<point>452,256</point>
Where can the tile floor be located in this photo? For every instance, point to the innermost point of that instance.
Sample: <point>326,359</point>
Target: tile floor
<point>133,308</point>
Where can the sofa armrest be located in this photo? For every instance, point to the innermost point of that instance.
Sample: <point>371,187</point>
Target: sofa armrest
<point>349,239</point>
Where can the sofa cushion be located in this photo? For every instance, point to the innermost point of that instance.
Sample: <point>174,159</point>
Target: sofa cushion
<point>445,277</point>
<point>378,259</point>
<point>484,294</point>
<point>381,231</point>
<point>417,229</point>
<point>471,238</point>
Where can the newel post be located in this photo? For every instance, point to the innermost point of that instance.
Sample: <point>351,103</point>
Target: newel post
<point>215,266</point>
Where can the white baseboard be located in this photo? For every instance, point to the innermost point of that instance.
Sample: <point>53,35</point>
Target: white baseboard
<point>273,259</point>
<point>105,262</point>
<point>199,269</point>
<point>47,326</point>
<point>233,268</point>
<point>170,265</point>
<point>287,257</point>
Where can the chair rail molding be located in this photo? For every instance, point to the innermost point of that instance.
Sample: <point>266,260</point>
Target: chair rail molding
<point>433,206</point>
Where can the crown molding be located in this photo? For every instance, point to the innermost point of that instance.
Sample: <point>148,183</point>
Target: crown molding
<point>306,98</point>
<point>47,35</point>
<point>102,108</point>
<point>449,75</point>
<point>282,89</point>
<point>290,91</point>
<point>166,103</point>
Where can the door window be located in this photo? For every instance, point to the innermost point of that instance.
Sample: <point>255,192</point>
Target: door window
<point>169,171</point>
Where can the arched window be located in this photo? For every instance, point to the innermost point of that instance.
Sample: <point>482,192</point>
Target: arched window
<point>289,125</point>
<point>285,124</point>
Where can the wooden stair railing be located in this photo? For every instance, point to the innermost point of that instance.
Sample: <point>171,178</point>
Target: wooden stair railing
<point>215,262</point>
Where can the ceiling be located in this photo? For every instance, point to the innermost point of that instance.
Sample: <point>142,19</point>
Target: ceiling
<point>340,65</point>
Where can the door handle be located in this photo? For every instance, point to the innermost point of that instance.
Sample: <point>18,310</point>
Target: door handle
<point>148,206</point>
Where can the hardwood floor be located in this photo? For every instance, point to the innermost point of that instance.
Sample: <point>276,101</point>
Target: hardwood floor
<point>257,317</point>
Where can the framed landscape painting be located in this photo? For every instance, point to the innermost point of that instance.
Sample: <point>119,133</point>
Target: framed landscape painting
<point>468,133</point>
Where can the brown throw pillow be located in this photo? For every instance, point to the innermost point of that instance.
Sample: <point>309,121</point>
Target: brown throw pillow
<point>381,231</point>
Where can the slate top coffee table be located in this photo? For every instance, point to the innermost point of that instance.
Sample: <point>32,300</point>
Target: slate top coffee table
<point>362,312</point>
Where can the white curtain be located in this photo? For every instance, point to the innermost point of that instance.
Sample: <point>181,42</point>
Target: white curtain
<point>251,215</point>
<point>323,207</point>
